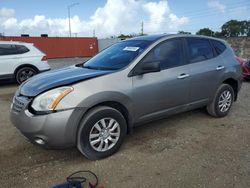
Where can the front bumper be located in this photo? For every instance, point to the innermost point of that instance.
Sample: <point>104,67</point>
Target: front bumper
<point>56,130</point>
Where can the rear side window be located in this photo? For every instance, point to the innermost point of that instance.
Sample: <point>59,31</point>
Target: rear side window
<point>169,53</point>
<point>199,49</point>
<point>218,46</point>
<point>21,49</point>
<point>6,49</point>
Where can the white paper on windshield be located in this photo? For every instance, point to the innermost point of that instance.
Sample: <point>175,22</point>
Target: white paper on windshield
<point>131,48</point>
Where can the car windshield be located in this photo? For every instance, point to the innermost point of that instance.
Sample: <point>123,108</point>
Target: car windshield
<point>117,56</point>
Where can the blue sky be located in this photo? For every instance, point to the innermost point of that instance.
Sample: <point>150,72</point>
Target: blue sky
<point>51,8</point>
<point>117,16</point>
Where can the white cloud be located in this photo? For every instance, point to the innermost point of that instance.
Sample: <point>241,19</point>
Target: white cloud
<point>215,4</point>
<point>161,18</point>
<point>114,18</point>
<point>7,12</point>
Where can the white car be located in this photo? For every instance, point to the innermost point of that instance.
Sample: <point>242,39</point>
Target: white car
<point>21,61</point>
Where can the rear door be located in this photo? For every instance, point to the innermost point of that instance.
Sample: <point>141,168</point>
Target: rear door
<point>206,70</point>
<point>9,58</point>
<point>160,93</point>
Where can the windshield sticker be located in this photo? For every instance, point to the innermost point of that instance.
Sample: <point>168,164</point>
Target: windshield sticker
<point>131,48</point>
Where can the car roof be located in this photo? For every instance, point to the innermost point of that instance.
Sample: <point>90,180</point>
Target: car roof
<point>153,38</point>
<point>150,38</point>
<point>13,42</point>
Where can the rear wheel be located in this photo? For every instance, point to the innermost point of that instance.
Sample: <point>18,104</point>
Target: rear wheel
<point>101,132</point>
<point>24,73</point>
<point>222,101</point>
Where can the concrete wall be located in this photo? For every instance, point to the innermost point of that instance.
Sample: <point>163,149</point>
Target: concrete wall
<point>241,46</point>
<point>104,43</point>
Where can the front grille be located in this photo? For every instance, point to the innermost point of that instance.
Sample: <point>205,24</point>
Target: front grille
<point>19,103</point>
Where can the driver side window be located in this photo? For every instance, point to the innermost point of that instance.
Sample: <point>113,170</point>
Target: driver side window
<point>169,53</point>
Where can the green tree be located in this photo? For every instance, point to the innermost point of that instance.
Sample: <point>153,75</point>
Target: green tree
<point>124,36</point>
<point>184,32</point>
<point>247,27</point>
<point>206,32</point>
<point>234,28</point>
<point>218,34</point>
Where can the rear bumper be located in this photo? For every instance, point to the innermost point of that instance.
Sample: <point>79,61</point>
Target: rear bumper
<point>43,66</point>
<point>56,130</point>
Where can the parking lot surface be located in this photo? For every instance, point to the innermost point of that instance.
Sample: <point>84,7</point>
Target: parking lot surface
<point>187,150</point>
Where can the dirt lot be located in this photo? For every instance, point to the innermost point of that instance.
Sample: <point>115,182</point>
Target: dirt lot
<point>187,150</point>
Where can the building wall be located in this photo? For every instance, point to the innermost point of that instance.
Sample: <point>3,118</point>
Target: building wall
<point>104,43</point>
<point>241,46</point>
<point>61,47</point>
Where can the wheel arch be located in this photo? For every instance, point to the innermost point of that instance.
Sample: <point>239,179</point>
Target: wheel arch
<point>115,100</point>
<point>118,106</point>
<point>234,84</point>
<point>25,65</point>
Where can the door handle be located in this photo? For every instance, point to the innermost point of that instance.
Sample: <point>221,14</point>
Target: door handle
<point>220,67</point>
<point>182,76</point>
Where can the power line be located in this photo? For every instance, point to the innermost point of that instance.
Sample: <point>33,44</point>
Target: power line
<point>198,16</point>
<point>195,20</point>
<point>241,3</point>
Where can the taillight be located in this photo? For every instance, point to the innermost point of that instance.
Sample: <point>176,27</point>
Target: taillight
<point>245,70</point>
<point>44,58</point>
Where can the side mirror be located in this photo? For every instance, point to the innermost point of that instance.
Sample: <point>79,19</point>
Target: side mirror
<point>146,67</point>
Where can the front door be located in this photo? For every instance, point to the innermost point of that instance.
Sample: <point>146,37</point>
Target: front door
<point>159,93</point>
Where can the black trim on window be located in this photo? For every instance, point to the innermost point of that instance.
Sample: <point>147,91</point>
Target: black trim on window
<point>218,47</point>
<point>11,49</point>
<point>182,50</point>
<point>21,49</point>
<point>200,57</point>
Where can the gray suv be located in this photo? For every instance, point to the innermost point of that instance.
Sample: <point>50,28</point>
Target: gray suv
<point>95,104</point>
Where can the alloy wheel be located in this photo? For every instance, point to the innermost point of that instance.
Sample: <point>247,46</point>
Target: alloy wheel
<point>104,134</point>
<point>225,101</point>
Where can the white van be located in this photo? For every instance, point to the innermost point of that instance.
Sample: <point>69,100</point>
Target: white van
<point>21,61</point>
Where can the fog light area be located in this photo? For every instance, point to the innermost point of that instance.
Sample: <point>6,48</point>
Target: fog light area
<point>39,141</point>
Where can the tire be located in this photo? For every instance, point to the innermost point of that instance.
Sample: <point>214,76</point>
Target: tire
<point>24,73</point>
<point>218,107</point>
<point>91,130</point>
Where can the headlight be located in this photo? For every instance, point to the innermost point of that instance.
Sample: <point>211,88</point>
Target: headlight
<point>49,100</point>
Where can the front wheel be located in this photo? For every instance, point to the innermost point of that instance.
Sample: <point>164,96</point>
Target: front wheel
<point>222,102</point>
<point>101,132</point>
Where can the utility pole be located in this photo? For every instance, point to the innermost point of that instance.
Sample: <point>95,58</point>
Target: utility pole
<point>94,33</point>
<point>69,7</point>
<point>142,28</point>
<point>211,33</point>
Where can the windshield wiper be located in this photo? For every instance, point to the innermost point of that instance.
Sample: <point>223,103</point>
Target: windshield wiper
<point>89,67</point>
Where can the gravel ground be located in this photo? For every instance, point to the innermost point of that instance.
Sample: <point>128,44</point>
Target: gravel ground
<point>187,150</point>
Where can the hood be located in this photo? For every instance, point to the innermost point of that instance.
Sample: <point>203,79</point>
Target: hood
<point>60,77</point>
